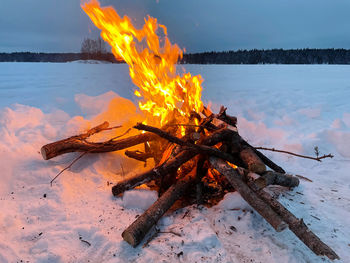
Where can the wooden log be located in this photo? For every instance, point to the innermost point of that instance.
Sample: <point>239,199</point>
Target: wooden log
<point>247,194</point>
<point>274,178</point>
<point>269,162</point>
<point>168,167</point>
<point>297,226</point>
<point>138,229</point>
<point>263,158</point>
<point>79,144</point>
<point>251,160</point>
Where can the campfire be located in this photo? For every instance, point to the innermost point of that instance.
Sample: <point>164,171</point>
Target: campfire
<point>190,145</point>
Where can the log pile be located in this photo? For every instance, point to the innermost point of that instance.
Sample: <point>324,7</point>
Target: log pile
<point>211,149</point>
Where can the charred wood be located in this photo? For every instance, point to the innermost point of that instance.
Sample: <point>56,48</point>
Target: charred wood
<point>168,167</point>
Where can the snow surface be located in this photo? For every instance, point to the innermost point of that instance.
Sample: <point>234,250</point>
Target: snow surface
<point>78,220</point>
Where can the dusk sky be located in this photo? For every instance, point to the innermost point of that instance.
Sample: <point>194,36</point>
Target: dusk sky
<point>197,25</point>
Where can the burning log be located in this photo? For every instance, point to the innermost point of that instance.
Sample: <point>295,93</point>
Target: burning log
<point>137,230</point>
<point>79,143</point>
<point>199,139</point>
<point>168,167</point>
<point>250,196</point>
<point>297,226</point>
<point>194,147</point>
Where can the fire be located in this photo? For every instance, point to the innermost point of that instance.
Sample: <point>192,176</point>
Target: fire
<point>152,59</point>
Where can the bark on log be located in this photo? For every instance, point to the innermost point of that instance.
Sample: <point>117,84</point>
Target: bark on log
<point>165,168</point>
<point>297,226</point>
<point>252,161</point>
<point>249,195</point>
<point>170,166</point>
<point>274,178</point>
<point>243,143</point>
<point>269,162</point>
<point>79,144</point>
<point>137,230</point>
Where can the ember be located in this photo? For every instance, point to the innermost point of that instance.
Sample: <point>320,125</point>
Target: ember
<point>192,145</point>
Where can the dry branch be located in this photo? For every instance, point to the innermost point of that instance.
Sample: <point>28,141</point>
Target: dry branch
<point>247,194</point>
<point>318,158</point>
<point>78,143</point>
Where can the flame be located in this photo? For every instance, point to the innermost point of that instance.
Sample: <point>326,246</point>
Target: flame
<point>152,65</point>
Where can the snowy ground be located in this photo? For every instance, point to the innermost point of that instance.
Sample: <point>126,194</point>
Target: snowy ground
<point>78,220</point>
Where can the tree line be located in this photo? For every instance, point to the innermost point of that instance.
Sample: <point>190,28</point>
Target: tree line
<point>272,56</point>
<point>97,51</point>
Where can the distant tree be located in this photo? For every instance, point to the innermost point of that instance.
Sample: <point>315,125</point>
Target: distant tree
<point>93,48</point>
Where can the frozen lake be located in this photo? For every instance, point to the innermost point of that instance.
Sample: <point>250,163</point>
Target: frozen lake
<point>291,107</point>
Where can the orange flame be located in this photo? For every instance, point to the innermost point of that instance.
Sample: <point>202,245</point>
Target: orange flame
<point>152,64</point>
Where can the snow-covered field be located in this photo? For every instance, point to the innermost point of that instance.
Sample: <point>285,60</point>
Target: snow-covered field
<point>78,220</point>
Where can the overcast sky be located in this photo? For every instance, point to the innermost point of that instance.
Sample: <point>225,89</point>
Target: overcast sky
<point>197,25</point>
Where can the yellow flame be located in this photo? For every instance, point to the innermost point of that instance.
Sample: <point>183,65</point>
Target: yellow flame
<point>152,64</point>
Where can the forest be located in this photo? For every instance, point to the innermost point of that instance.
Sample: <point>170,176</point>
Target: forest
<point>255,56</point>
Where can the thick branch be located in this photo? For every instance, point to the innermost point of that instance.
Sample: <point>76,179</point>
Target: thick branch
<point>247,194</point>
<point>137,230</point>
<point>319,159</point>
<point>297,226</point>
<point>79,144</point>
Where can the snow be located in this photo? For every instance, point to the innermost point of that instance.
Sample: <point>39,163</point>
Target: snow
<point>78,220</point>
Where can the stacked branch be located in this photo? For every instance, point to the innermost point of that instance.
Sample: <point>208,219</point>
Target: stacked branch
<point>182,163</point>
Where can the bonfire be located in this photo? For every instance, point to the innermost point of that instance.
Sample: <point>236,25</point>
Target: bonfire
<point>193,148</point>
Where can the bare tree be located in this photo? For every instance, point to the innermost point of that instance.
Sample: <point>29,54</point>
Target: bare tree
<point>93,47</point>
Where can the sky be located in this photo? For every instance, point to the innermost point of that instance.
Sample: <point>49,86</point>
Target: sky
<point>196,25</point>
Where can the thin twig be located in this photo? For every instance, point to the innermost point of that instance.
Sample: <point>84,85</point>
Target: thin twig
<point>319,159</point>
<point>127,131</point>
<point>111,128</point>
<point>303,177</point>
<point>69,166</point>
<point>170,232</point>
